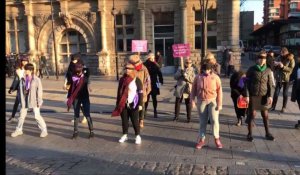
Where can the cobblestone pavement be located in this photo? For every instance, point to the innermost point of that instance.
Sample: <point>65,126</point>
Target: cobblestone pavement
<point>167,147</point>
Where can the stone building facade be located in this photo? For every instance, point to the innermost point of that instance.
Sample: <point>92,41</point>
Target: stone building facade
<point>88,27</point>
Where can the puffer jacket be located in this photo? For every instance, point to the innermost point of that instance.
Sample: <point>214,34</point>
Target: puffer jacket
<point>259,83</point>
<point>283,74</point>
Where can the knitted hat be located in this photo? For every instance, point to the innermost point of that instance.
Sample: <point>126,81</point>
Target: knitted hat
<point>134,59</point>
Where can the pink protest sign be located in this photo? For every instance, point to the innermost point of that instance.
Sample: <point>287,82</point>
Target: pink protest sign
<point>139,46</point>
<point>181,50</point>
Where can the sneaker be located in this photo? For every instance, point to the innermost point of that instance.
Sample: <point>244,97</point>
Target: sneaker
<point>44,134</point>
<point>218,143</point>
<point>16,133</point>
<point>72,121</point>
<point>11,119</point>
<point>84,121</point>
<point>141,123</point>
<point>283,110</point>
<point>138,140</point>
<point>270,137</point>
<point>200,144</point>
<point>249,138</point>
<point>123,138</point>
<point>239,123</point>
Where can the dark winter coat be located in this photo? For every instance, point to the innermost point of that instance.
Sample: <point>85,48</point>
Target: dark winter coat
<point>283,74</point>
<point>296,85</point>
<point>236,90</point>
<point>155,76</point>
<point>259,83</point>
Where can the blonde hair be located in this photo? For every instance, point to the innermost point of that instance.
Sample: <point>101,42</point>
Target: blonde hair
<point>209,57</point>
<point>290,56</point>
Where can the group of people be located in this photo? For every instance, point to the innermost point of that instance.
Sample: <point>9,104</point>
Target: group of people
<point>141,80</point>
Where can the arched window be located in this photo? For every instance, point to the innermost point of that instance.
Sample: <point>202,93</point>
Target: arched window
<point>71,42</point>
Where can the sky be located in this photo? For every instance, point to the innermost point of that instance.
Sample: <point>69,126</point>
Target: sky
<point>256,6</point>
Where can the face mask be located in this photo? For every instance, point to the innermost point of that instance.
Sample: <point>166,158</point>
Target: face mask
<point>138,67</point>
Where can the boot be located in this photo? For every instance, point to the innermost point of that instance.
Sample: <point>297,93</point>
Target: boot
<point>75,134</point>
<point>188,112</point>
<point>155,114</point>
<point>90,123</point>
<point>177,110</point>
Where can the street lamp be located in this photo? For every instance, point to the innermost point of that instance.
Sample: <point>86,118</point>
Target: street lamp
<point>114,13</point>
<point>54,42</point>
<point>203,5</point>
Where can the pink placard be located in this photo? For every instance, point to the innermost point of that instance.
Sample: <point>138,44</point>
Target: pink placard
<point>181,50</point>
<point>139,46</point>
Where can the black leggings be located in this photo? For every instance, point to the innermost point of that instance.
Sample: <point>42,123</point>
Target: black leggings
<point>15,107</point>
<point>238,111</point>
<point>133,114</point>
<point>154,100</point>
<point>187,104</point>
<point>278,87</point>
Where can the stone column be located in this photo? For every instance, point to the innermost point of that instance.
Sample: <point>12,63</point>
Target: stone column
<point>7,37</point>
<point>142,24</point>
<point>183,23</point>
<point>30,30</point>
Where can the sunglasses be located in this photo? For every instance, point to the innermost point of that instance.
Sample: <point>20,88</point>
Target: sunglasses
<point>127,68</point>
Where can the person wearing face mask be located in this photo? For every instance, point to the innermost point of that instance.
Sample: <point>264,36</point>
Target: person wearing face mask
<point>259,94</point>
<point>143,74</point>
<point>156,81</point>
<point>129,102</point>
<point>15,85</point>
<point>210,58</point>
<point>78,96</point>
<point>283,69</point>
<point>31,95</point>
<point>185,78</point>
<point>296,87</point>
<point>208,90</point>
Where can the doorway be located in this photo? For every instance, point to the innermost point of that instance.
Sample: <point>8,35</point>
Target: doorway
<point>164,46</point>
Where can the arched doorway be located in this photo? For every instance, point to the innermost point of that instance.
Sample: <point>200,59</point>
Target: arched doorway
<point>71,42</point>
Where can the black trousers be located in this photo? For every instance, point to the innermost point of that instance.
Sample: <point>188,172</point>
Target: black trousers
<point>238,111</point>
<point>230,69</point>
<point>15,107</point>
<point>278,87</point>
<point>86,112</point>
<point>133,114</point>
<point>154,101</point>
<point>187,104</point>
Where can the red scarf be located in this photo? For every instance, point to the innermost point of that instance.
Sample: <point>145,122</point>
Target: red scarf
<point>122,95</point>
<point>138,67</point>
<point>74,89</point>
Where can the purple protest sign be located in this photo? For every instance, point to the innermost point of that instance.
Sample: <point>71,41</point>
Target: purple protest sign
<point>139,46</point>
<point>181,50</point>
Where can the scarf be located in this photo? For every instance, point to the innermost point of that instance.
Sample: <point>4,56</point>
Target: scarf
<point>261,68</point>
<point>76,87</point>
<point>138,67</point>
<point>242,81</point>
<point>122,95</point>
<point>28,82</point>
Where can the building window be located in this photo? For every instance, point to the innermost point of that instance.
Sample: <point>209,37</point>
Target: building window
<point>125,31</point>
<point>211,29</point>
<point>72,42</point>
<point>16,36</point>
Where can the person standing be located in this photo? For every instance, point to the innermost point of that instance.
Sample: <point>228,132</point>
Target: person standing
<point>78,96</point>
<point>259,94</point>
<point>208,90</point>
<point>238,90</point>
<point>159,59</point>
<point>296,87</point>
<point>15,86</point>
<point>185,78</point>
<point>283,70</point>
<point>156,81</point>
<point>143,74</point>
<point>210,58</point>
<point>31,95</point>
<point>129,102</point>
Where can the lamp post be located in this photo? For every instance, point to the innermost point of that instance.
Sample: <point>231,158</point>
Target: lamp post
<point>54,42</point>
<point>114,13</point>
<point>203,5</point>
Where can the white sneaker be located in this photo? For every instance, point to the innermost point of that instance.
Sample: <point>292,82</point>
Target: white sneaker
<point>16,133</point>
<point>138,140</point>
<point>44,134</point>
<point>123,138</point>
<point>84,121</point>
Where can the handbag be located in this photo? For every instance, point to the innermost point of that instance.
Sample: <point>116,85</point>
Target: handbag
<point>242,103</point>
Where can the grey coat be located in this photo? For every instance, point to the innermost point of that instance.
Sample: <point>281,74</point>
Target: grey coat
<point>184,77</point>
<point>35,96</point>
